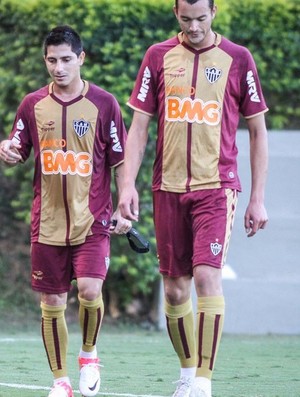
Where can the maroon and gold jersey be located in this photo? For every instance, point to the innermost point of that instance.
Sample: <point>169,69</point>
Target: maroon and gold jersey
<point>75,144</point>
<point>198,96</point>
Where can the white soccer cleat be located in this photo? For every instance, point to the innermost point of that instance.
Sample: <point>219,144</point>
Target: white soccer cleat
<point>89,382</point>
<point>184,387</point>
<point>61,389</point>
<point>201,387</point>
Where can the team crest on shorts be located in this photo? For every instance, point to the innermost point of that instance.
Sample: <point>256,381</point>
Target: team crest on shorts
<point>215,248</point>
<point>107,262</point>
<point>213,74</point>
<point>81,127</point>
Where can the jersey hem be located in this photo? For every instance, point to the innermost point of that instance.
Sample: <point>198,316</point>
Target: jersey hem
<point>191,189</point>
<point>116,165</point>
<point>139,110</point>
<point>256,114</point>
<point>64,244</point>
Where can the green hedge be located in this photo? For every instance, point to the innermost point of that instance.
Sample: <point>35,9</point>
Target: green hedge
<point>271,30</point>
<point>116,35</point>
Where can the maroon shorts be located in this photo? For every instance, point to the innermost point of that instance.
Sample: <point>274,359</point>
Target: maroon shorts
<point>54,267</point>
<point>193,229</point>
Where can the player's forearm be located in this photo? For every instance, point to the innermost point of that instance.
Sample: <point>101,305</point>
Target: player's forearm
<point>134,153</point>
<point>119,178</point>
<point>259,164</point>
<point>135,148</point>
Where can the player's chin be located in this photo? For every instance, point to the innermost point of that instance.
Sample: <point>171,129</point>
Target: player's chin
<point>61,82</point>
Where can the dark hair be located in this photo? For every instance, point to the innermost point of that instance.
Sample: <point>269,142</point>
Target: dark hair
<point>64,35</point>
<point>211,3</point>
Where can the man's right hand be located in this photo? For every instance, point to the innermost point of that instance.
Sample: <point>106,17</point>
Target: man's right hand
<point>129,203</point>
<point>9,152</point>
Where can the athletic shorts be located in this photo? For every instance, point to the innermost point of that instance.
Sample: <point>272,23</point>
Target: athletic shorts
<point>193,229</point>
<point>54,267</point>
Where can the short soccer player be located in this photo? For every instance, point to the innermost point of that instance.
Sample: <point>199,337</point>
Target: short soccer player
<point>77,135</point>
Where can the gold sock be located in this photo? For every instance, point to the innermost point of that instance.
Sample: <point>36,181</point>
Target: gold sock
<point>210,320</point>
<point>180,325</point>
<point>90,320</point>
<point>55,338</point>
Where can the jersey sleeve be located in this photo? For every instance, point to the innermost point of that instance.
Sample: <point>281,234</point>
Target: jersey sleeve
<point>20,132</point>
<point>252,101</point>
<point>144,94</point>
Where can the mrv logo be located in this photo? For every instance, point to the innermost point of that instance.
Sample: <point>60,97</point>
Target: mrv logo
<point>114,136</point>
<point>145,85</point>
<point>252,87</point>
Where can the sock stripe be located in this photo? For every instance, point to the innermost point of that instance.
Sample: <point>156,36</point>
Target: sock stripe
<point>215,340</point>
<point>56,343</point>
<point>85,325</point>
<point>201,328</point>
<point>44,339</point>
<point>97,326</point>
<point>183,338</point>
<point>169,331</point>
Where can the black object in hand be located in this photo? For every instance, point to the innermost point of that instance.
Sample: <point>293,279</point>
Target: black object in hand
<point>138,243</point>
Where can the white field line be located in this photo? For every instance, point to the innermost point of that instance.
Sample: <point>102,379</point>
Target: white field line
<point>31,387</point>
<point>13,340</point>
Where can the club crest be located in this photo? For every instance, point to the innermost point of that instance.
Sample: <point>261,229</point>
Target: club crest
<point>107,262</point>
<point>213,74</point>
<point>81,127</point>
<point>215,248</point>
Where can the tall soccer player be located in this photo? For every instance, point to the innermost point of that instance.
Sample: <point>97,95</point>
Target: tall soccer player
<point>77,135</point>
<point>198,83</point>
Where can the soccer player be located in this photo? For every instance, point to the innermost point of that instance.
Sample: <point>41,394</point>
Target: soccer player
<point>197,84</point>
<point>77,135</point>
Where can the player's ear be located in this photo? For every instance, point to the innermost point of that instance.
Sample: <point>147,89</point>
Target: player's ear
<point>81,58</point>
<point>214,11</point>
<point>175,11</point>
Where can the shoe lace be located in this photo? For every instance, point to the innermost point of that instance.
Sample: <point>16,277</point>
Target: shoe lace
<point>183,385</point>
<point>89,363</point>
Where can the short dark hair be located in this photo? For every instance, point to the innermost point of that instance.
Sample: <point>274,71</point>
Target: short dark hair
<point>64,35</point>
<point>211,3</point>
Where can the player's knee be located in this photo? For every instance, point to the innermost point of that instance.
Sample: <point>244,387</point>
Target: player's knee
<point>89,289</point>
<point>175,295</point>
<point>208,280</point>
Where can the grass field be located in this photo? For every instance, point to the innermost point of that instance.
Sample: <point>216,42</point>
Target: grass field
<point>141,363</point>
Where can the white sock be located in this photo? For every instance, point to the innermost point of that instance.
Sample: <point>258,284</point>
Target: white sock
<point>92,354</point>
<point>188,372</point>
